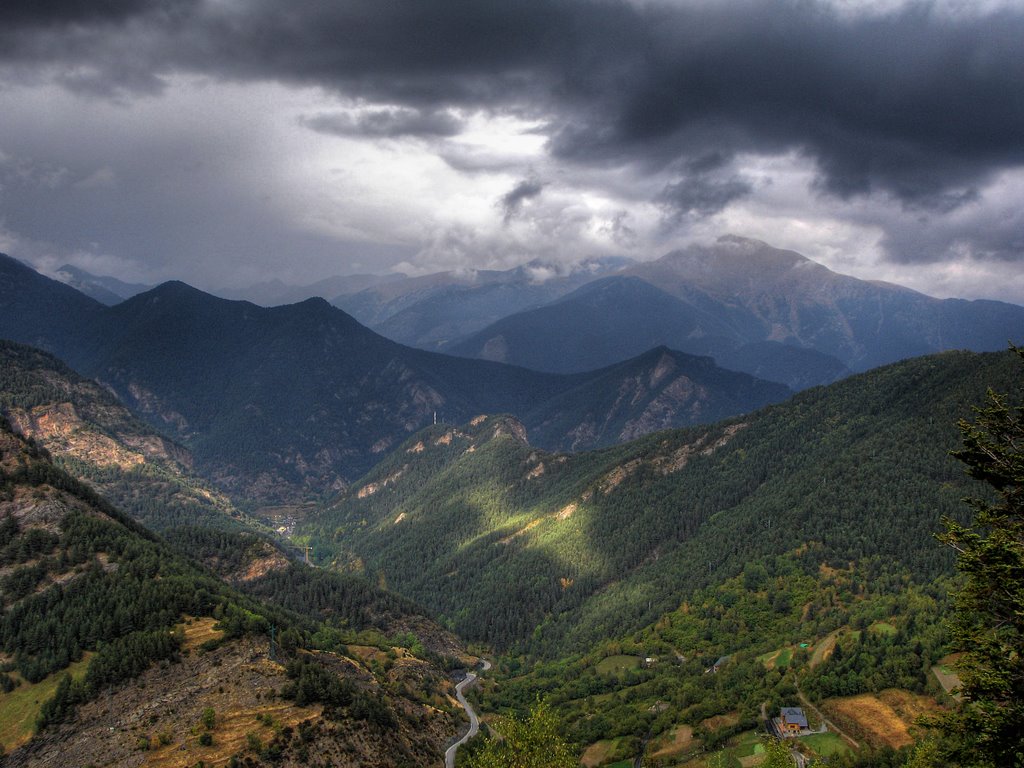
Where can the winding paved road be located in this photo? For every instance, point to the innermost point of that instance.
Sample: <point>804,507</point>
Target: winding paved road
<point>474,721</point>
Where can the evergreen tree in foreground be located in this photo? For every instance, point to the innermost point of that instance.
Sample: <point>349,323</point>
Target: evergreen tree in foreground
<point>988,623</point>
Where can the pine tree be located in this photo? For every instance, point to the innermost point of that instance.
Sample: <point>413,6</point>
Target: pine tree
<point>988,623</point>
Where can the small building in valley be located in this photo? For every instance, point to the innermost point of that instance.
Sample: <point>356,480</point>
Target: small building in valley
<point>717,665</point>
<point>793,720</point>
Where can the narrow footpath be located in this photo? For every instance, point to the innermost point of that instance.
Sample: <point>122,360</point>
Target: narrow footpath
<point>474,721</point>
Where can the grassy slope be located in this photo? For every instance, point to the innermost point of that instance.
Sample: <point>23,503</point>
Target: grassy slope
<point>20,708</point>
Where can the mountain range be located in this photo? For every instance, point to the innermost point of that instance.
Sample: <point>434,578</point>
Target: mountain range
<point>656,542</point>
<point>106,290</point>
<point>756,309</point>
<point>430,311</point>
<point>300,399</point>
<point>768,312</point>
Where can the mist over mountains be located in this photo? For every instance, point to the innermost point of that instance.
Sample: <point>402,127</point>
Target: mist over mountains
<point>740,300</point>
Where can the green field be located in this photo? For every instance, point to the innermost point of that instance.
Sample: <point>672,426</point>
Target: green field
<point>20,708</point>
<point>883,628</point>
<point>614,664</point>
<point>776,659</point>
<point>744,745</point>
<point>825,744</point>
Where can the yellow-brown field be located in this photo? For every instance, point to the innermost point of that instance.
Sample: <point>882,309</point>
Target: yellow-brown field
<point>597,753</point>
<point>718,722</point>
<point>885,719</point>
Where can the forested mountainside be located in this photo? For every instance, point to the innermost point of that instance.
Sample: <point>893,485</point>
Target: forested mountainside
<point>858,645</point>
<point>889,670</point>
<point>276,404</point>
<point>552,552</point>
<point>96,610</point>
<point>93,437</point>
<point>765,311</point>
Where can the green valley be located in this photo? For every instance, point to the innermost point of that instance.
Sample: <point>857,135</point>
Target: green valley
<point>662,596</point>
<point>553,552</point>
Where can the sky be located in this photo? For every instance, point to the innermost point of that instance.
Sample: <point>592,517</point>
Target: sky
<point>224,142</point>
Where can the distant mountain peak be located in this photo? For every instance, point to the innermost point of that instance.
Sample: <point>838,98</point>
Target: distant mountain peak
<point>733,258</point>
<point>174,291</point>
<point>106,290</point>
<point>317,302</point>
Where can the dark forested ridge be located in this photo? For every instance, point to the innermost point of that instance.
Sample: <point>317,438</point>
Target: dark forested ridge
<point>298,400</point>
<point>515,545</point>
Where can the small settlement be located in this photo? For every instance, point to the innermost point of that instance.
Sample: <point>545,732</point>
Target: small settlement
<point>792,721</point>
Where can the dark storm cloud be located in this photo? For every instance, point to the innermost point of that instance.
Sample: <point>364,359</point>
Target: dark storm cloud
<point>512,201</point>
<point>917,103</point>
<point>701,196</point>
<point>913,103</point>
<point>43,13</point>
<point>993,236</point>
<point>386,123</point>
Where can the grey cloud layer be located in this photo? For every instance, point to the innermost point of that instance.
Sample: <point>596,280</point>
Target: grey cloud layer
<point>513,200</point>
<point>915,103</point>
<point>387,123</point>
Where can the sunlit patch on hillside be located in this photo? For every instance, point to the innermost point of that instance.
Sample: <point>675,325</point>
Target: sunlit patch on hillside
<point>20,708</point>
<point>884,719</point>
<point>197,631</point>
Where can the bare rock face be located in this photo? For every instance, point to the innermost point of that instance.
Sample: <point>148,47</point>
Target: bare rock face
<point>682,395</point>
<point>510,427</point>
<point>59,427</point>
<point>94,437</point>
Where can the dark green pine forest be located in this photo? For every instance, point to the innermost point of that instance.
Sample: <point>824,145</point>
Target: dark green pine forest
<point>550,553</point>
